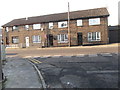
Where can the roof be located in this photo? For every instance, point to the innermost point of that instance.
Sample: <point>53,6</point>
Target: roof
<point>98,12</point>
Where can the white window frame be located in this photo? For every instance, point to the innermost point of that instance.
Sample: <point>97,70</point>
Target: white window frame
<point>36,26</point>
<point>15,39</point>
<point>27,27</point>
<point>94,21</point>
<point>79,22</point>
<point>62,38</point>
<point>7,29</point>
<point>15,27</point>
<point>34,40</point>
<point>62,24</point>
<point>51,25</point>
<point>97,36</point>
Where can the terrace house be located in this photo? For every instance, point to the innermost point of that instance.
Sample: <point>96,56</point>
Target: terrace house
<point>85,27</point>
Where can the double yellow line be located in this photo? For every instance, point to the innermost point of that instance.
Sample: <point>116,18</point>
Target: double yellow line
<point>34,61</point>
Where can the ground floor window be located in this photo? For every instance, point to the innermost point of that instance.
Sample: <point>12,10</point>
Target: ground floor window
<point>62,38</point>
<point>36,39</point>
<point>15,39</point>
<point>94,36</point>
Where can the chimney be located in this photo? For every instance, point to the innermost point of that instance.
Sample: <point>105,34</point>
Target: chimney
<point>26,18</point>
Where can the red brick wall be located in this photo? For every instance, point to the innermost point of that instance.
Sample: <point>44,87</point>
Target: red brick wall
<point>22,33</point>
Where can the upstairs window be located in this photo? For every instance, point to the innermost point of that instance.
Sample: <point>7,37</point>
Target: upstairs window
<point>79,22</point>
<point>36,26</point>
<point>15,40</point>
<point>94,36</point>
<point>62,24</point>
<point>15,28</point>
<point>36,39</point>
<point>51,25</point>
<point>7,29</point>
<point>94,21</point>
<point>27,27</point>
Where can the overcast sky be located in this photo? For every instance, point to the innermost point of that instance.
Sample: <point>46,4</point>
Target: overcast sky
<point>14,9</point>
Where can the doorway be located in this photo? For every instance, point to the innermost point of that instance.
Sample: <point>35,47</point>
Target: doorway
<point>50,40</point>
<point>27,41</point>
<point>79,38</point>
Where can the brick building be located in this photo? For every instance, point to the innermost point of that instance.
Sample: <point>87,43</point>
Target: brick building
<point>86,27</point>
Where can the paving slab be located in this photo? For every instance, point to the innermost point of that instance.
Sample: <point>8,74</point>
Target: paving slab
<point>20,74</point>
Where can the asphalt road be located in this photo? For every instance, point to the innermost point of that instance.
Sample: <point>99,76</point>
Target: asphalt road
<point>74,67</point>
<point>84,71</point>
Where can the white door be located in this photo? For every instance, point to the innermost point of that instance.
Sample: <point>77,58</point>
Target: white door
<point>27,41</point>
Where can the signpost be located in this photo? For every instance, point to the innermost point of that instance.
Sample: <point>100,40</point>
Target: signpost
<point>0,66</point>
<point>2,57</point>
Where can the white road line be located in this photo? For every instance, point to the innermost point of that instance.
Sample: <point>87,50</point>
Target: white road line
<point>105,71</point>
<point>67,56</point>
<point>106,54</point>
<point>92,55</point>
<point>27,57</point>
<point>36,56</point>
<point>80,55</point>
<point>56,56</point>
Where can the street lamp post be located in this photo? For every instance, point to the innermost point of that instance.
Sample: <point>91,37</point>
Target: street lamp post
<point>69,36</point>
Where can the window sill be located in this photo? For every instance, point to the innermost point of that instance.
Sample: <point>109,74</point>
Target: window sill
<point>36,42</point>
<point>95,25</point>
<point>94,40</point>
<point>63,42</point>
<point>62,27</point>
<point>79,26</point>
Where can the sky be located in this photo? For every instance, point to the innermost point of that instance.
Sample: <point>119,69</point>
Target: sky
<point>14,9</point>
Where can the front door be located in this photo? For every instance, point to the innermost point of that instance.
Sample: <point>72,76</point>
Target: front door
<point>50,40</point>
<point>79,37</point>
<point>27,41</point>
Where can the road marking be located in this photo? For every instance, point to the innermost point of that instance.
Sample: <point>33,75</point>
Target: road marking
<point>92,55</point>
<point>34,61</point>
<point>105,71</point>
<point>43,57</point>
<point>67,56</point>
<point>80,55</point>
<point>106,54</point>
<point>36,56</point>
<point>56,56</point>
<point>27,56</point>
<point>40,75</point>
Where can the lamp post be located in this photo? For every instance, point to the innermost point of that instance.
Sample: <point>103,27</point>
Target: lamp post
<point>69,36</point>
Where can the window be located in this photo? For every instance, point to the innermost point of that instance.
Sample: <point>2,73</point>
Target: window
<point>36,39</point>
<point>15,40</point>
<point>62,24</point>
<point>26,27</point>
<point>79,22</point>
<point>51,25</point>
<point>62,38</point>
<point>7,29</point>
<point>15,28</point>
<point>36,26</point>
<point>94,36</point>
<point>95,21</point>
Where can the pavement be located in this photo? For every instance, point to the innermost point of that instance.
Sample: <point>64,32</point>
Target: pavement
<point>63,51</point>
<point>20,74</point>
